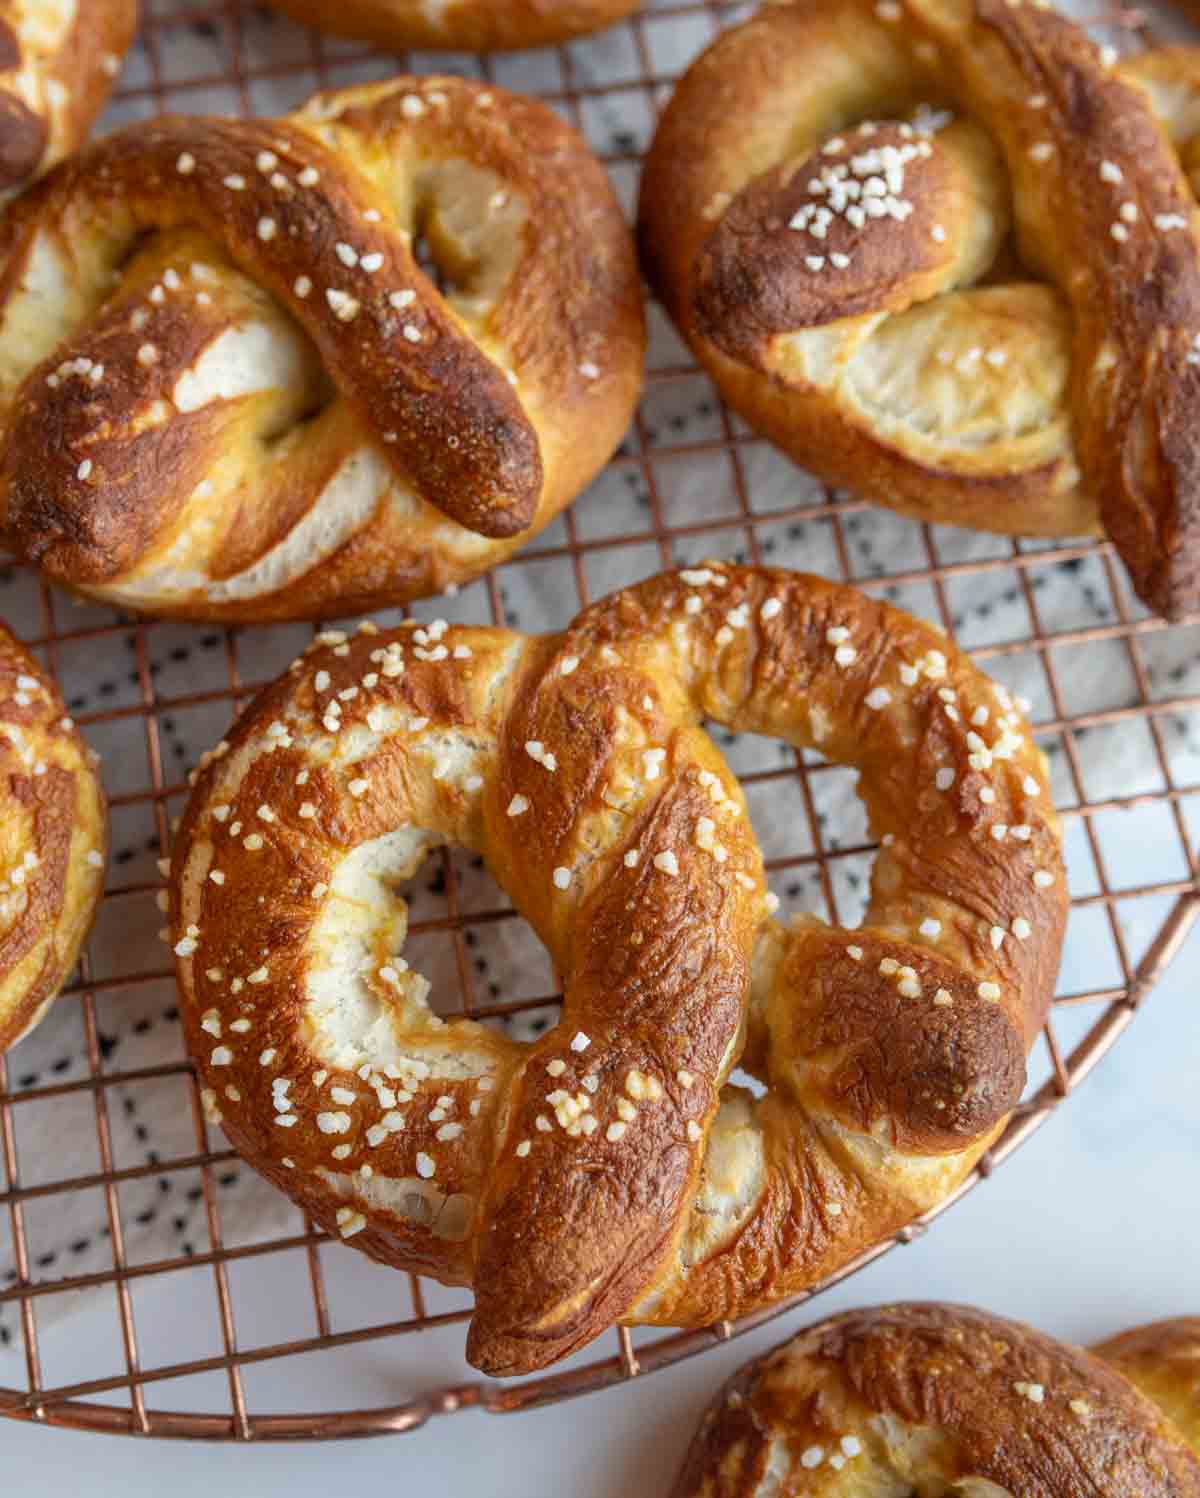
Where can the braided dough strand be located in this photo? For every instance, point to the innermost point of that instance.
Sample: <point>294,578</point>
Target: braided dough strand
<point>608,1172</point>
<point>176,444</point>
<point>840,257</point>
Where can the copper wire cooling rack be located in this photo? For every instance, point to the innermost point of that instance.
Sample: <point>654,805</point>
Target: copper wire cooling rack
<point>748,502</point>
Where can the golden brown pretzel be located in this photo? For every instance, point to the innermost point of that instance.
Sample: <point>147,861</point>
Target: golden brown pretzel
<point>53,838</point>
<point>459,25</point>
<point>826,213</point>
<point>273,412</point>
<point>58,59</point>
<point>1163,1360</point>
<point>607,1172</point>
<point>933,1399</point>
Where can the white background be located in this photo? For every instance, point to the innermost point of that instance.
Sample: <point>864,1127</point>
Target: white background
<point>1093,1226</point>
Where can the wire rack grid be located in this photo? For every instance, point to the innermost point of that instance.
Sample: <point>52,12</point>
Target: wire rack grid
<point>690,481</point>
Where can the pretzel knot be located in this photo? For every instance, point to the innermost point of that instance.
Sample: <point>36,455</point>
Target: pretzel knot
<point>608,1172</point>
<point>230,390</point>
<point>945,252</point>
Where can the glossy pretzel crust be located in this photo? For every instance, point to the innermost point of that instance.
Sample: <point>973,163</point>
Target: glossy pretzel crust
<point>927,1398</point>
<point>459,25</point>
<point>53,840</point>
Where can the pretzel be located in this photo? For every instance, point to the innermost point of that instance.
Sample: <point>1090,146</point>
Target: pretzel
<point>607,1172</point>
<point>826,214</point>
<point>459,25</point>
<point>1163,1360</point>
<point>273,412</point>
<point>53,840</point>
<point>933,1399</point>
<point>58,60</point>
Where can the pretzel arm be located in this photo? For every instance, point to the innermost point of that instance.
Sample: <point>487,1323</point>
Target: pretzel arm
<point>1136,307</point>
<point>467,443</point>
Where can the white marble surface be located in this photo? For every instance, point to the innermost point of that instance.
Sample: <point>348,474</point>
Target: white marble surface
<point>1093,1226</point>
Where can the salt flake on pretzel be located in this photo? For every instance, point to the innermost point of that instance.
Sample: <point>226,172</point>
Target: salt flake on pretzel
<point>946,252</point>
<point>608,1172</point>
<point>228,389</point>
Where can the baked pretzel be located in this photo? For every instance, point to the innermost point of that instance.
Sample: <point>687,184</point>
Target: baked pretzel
<point>1163,1360</point>
<point>53,839</point>
<point>933,1399</point>
<point>270,411</point>
<point>606,1172</point>
<point>833,210</point>
<point>459,25</point>
<point>58,60</point>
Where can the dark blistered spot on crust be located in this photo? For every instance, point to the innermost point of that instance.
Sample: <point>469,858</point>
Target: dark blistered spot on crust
<point>752,278</point>
<point>23,137</point>
<point>937,1076</point>
<point>10,47</point>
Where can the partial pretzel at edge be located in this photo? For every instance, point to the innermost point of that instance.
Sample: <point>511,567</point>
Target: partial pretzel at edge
<point>53,841</point>
<point>826,214</point>
<point>940,1398</point>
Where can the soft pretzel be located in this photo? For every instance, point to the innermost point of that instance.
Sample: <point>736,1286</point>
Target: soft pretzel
<point>1163,1360</point>
<point>933,1399</point>
<point>459,25</point>
<point>607,1172</point>
<point>826,213</point>
<point>269,410</point>
<point>58,60</point>
<point>53,838</point>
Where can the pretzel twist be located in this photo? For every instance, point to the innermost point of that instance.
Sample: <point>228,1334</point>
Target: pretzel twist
<point>58,59</point>
<point>274,412</point>
<point>607,1172</point>
<point>459,25</point>
<point>935,1398</point>
<point>53,837</point>
<point>987,316</point>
